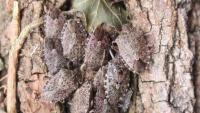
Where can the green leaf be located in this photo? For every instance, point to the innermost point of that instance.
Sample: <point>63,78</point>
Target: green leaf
<point>101,11</point>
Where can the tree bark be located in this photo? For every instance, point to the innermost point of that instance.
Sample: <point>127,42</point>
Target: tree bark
<point>194,35</point>
<point>167,87</point>
<point>170,85</point>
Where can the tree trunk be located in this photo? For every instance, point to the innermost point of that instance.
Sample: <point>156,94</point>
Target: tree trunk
<point>194,40</point>
<point>170,85</point>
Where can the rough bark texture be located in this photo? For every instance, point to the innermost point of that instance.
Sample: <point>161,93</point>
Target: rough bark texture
<point>167,87</point>
<point>170,84</point>
<point>194,35</point>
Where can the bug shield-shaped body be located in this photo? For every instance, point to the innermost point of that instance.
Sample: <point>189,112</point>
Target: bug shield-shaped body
<point>58,55</point>
<point>97,48</point>
<point>59,86</point>
<point>53,57</point>
<point>73,39</point>
<point>116,83</point>
<point>113,93</point>
<point>134,48</point>
<point>80,102</point>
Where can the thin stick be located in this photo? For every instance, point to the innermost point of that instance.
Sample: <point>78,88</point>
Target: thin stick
<point>3,78</point>
<point>14,27</point>
<point>13,61</point>
<point>11,81</point>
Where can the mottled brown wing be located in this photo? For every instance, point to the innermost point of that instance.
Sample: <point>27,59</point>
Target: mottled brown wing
<point>97,48</point>
<point>134,48</point>
<point>53,23</point>
<point>59,86</point>
<point>73,39</point>
<point>81,100</point>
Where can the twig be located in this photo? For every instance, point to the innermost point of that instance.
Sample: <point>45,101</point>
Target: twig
<point>13,30</point>
<point>12,64</point>
<point>13,60</point>
<point>11,77</point>
<point>3,78</point>
<point>4,89</point>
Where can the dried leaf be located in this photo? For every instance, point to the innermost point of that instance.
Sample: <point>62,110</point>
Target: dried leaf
<point>100,11</point>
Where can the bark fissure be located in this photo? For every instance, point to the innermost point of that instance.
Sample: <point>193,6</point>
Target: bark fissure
<point>167,86</point>
<point>194,43</point>
<point>170,83</point>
